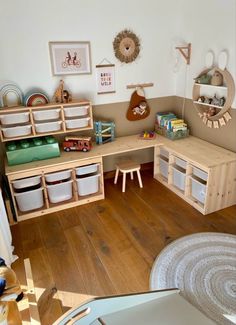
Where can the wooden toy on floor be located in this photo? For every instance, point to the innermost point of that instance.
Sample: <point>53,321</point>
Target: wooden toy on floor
<point>104,131</point>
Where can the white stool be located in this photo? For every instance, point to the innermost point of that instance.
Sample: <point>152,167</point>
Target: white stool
<point>128,167</point>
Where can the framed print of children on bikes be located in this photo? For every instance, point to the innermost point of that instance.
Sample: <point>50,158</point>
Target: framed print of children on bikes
<point>70,58</point>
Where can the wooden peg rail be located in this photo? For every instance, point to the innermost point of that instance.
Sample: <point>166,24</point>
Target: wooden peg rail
<point>185,51</point>
<point>148,84</point>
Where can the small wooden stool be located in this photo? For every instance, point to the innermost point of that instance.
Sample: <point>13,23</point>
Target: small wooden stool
<point>128,167</point>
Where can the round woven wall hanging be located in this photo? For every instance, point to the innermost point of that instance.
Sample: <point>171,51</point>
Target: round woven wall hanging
<point>126,46</point>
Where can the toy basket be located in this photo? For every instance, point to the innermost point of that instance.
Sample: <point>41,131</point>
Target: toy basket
<point>180,134</point>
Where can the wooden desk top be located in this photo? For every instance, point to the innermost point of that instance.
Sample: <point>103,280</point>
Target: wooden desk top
<point>191,148</point>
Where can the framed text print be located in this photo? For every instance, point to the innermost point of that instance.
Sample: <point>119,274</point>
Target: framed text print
<point>105,78</point>
<point>70,58</point>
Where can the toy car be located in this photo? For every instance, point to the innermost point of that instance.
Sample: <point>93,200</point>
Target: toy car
<point>77,144</point>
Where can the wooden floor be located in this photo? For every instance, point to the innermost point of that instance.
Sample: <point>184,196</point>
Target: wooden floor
<point>106,247</point>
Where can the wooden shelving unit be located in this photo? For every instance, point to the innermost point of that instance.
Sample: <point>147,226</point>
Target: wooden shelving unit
<point>32,122</point>
<point>76,199</point>
<point>228,88</point>
<point>219,164</point>
<point>219,188</point>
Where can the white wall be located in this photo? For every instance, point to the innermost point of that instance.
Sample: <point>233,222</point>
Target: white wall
<point>28,25</point>
<point>207,24</point>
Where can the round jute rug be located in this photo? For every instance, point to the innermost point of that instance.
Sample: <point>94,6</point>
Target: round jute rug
<point>203,267</point>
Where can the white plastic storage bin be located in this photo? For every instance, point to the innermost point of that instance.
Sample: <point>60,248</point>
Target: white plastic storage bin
<point>48,127</point>
<point>47,114</point>
<point>198,188</point>
<point>200,173</point>
<point>60,192</point>
<point>76,111</point>
<point>88,185</point>
<point>77,123</point>
<point>164,153</point>
<point>26,182</point>
<point>164,166</point>
<point>88,169</point>
<point>15,118</point>
<point>180,162</point>
<point>30,200</point>
<point>58,176</point>
<point>17,131</point>
<point>179,175</point>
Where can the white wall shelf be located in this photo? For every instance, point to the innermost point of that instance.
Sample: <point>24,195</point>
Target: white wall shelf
<point>221,111</point>
<point>211,86</point>
<point>205,104</point>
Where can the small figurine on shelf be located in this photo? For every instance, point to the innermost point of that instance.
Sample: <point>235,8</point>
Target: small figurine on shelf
<point>201,99</point>
<point>222,101</point>
<point>217,79</point>
<point>61,95</point>
<point>208,100</point>
<point>218,101</point>
<point>66,96</point>
<point>203,79</point>
<point>210,112</point>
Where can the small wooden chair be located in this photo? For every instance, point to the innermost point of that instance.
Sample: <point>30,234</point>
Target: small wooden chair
<point>128,167</point>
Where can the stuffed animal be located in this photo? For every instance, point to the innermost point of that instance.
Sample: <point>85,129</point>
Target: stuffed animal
<point>203,79</point>
<point>217,79</point>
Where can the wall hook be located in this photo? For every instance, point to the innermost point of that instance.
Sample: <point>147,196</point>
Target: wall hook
<point>185,51</point>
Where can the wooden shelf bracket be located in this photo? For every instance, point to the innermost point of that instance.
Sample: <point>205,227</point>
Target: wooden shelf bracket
<point>142,85</point>
<point>185,51</point>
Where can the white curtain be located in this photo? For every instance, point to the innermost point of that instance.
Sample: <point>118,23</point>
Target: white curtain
<point>6,247</point>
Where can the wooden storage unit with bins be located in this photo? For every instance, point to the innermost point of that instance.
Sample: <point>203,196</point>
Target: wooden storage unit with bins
<point>202,174</point>
<point>28,122</point>
<point>57,186</point>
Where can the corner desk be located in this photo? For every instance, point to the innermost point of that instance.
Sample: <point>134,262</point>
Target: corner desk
<point>216,163</point>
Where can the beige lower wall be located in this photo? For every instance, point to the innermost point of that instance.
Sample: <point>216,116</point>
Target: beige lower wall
<point>224,137</point>
<point>117,113</point>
